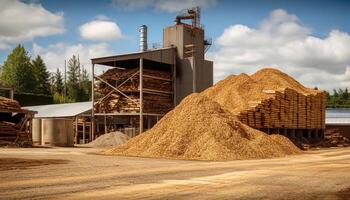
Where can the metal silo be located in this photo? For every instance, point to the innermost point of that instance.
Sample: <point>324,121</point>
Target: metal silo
<point>36,131</point>
<point>57,132</point>
<point>143,38</point>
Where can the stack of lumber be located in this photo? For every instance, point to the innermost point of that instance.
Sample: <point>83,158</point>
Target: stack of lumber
<point>286,109</point>
<point>6,103</point>
<point>270,99</point>
<point>13,133</point>
<point>334,138</point>
<point>8,131</point>
<point>157,91</point>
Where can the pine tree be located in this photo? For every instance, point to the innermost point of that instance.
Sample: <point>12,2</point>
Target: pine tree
<point>41,76</point>
<point>58,82</point>
<point>85,85</point>
<point>17,71</point>
<point>73,89</point>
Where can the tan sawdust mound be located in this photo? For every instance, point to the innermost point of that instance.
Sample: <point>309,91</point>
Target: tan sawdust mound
<point>109,140</point>
<point>235,93</point>
<point>200,129</point>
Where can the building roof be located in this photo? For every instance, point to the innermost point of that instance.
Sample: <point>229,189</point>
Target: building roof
<point>337,116</point>
<point>61,110</point>
<point>163,55</point>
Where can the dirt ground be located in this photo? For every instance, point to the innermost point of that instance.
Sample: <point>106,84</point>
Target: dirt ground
<point>76,173</point>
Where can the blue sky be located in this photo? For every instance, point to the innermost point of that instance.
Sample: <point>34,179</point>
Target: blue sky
<point>320,18</point>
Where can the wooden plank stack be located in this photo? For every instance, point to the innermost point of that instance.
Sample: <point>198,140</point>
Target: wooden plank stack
<point>14,133</point>
<point>6,103</point>
<point>157,91</point>
<point>286,109</point>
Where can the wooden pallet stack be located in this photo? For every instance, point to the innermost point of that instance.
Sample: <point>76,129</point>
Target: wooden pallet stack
<point>157,91</point>
<point>286,109</point>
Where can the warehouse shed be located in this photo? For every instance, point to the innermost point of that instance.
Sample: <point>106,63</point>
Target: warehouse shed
<point>338,119</point>
<point>62,124</point>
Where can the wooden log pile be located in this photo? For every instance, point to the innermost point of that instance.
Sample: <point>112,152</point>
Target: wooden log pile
<point>6,103</point>
<point>14,133</point>
<point>157,91</point>
<point>8,131</point>
<point>286,109</point>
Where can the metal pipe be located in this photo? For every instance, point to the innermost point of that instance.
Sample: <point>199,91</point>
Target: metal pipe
<point>194,71</point>
<point>143,38</point>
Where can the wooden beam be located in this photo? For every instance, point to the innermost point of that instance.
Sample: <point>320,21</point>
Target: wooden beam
<point>157,78</point>
<point>156,91</point>
<point>76,130</point>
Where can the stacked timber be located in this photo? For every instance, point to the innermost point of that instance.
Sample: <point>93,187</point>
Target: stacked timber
<point>286,109</point>
<point>18,133</point>
<point>120,89</point>
<point>8,131</point>
<point>270,99</point>
<point>6,103</point>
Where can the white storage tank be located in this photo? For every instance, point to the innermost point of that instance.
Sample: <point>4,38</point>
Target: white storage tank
<point>36,131</point>
<point>57,132</point>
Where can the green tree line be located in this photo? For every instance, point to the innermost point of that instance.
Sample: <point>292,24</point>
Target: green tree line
<point>339,99</point>
<point>26,75</point>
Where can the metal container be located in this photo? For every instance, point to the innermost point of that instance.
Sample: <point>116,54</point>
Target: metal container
<point>36,131</point>
<point>57,132</point>
<point>143,38</point>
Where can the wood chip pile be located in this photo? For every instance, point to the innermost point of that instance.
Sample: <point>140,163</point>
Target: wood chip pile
<point>270,99</point>
<point>200,129</point>
<point>109,140</point>
<point>157,89</point>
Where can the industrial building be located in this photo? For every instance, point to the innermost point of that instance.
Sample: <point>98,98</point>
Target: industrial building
<point>141,87</point>
<point>338,120</point>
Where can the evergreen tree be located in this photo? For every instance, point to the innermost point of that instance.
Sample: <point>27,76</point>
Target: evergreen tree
<point>58,82</point>
<point>85,85</point>
<point>17,71</point>
<point>41,76</point>
<point>73,89</point>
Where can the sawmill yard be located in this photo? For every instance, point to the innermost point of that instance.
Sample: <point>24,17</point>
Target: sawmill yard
<point>78,173</point>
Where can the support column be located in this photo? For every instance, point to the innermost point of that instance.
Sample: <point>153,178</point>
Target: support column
<point>84,129</point>
<point>11,94</point>
<point>141,95</point>
<point>174,82</point>
<point>76,130</point>
<point>93,102</point>
<point>84,136</point>
<point>105,121</point>
<point>194,75</point>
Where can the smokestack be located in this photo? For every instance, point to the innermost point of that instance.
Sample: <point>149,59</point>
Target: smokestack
<point>143,38</point>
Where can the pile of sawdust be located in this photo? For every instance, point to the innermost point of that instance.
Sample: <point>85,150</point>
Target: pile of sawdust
<point>235,93</point>
<point>200,129</point>
<point>109,140</point>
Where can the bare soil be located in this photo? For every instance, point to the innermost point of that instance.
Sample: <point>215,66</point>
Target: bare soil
<point>81,174</point>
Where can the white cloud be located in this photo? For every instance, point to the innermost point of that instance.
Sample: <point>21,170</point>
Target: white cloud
<point>100,29</point>
<point>163,5</point>
<point>22,22</point>
<point>282,41</point>
<point>55,54</point>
